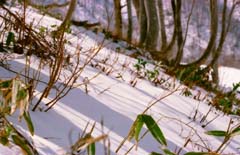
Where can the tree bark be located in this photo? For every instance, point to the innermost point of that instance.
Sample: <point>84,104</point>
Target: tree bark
<point>153,26</point>
<point>118,19</point>
<point>129,32</point>
<point>162,24</point>
<point>174,36</point>
<point>136,4</point>
<point>179,32</point>
<point>142,23</point>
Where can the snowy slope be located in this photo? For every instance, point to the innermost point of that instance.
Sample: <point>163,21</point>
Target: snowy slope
<point>115,102</point>
<point>95,11</point>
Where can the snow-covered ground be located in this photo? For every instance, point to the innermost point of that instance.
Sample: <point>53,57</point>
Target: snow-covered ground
<point>115,102</point>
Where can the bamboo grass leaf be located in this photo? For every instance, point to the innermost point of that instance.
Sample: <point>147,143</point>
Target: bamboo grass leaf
<point>91,149</point>
<point>197,153</point>
<point>28,120</point>
<point>138,127</point>
<point>217,133</point>
<point>235,132</point>
<point>155,153</point>
<point>21,143</point>
<point>154,129</point>
<point>10,38</point>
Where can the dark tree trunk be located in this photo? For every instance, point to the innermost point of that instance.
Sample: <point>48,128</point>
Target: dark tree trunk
<point>118,19</point>
<point>142,23</point>
<point>129,32</point>
<point>174,36</point>
<point>153,26</point>
<point>179,32</point>
<point>162,24</point>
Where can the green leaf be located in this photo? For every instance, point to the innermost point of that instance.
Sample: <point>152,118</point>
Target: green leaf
<point>217,133</point>
<point>138,127</point>
<point>28,120</point>
<point>132,130</point>
<point>91,149</point>
<point>22,144</point>
<point>155,153</point>
<point>8,130</point>
<point>10,38</point>
<point>235,132</point>
<point>21,94</point>
<point>197,153</point>
<point>5,84</point>
<point>4,140</point>
<point>154,129</point>
<point>168,152</point>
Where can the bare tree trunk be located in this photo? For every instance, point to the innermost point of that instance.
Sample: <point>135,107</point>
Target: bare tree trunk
<point>180,49</point>
<point>212,41</point>
<point>174,36</point>
<point>136,4</point>
<point>224,32</point>
<point>215,73</point>
<point>179,32</point>
<point>153,27</point>
<point>118,19</point>
<point>129,9</point>
<point>142,23</point>
<point>162,24</point>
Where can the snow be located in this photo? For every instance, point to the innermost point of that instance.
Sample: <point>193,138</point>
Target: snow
<point>115,102</point>
<point>229,76</point>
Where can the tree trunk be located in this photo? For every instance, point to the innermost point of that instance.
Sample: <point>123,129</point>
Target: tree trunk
<point>129,32</point>
<point>224,30</point>
<point>218,51</point>
<point>153,27</point>
<point>179,32</point>
<point>136,4</point>
<point>162,24</point>
<point>174,36</point>
<point>212,40</point>
<point>142,23</point>
<point>118,19</point>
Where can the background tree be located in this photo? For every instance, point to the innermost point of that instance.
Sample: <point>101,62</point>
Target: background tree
<point>212,41</point>
<point>162,25</point>
<point>118,19</point>
<point>224,31</point>
<point>152,25</point>
<point>129,10</point>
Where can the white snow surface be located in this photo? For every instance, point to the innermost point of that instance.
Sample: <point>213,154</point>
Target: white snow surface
<point>115,102</point>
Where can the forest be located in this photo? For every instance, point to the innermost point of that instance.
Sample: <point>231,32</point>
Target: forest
<point>125,77</point>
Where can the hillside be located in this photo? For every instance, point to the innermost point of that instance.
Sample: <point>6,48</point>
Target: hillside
<point>110,94</point>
